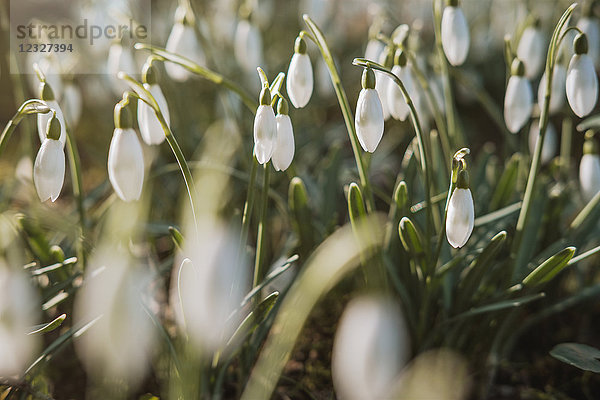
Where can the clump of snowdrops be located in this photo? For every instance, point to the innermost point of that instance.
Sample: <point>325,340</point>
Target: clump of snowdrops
<point>450,255</point>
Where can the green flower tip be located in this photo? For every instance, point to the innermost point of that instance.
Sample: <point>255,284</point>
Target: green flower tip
<point>265,96</point>
<point>283,107</point>
<point>452,3</point>
<point>53,128</point>
<point>368,79</point>
<point>300,45</point>
<point>463,180</point>
<point>590,146</point>
<point>580,44</point>
<point>400,58</point>
<point>46,92</point>
<point>401,194</point>
<point>537,22</point>
<point>150,73</point>
<point>517,68</point>
<point>388,61</point>
<point>123,115</point>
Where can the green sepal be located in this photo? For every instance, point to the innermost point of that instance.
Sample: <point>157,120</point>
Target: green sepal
<point>410,237</point>
<point>368,79</point>
<point>580,44</point>
<point>123,119</point>
<point>53,128</point>
<point>300,45</point>
<point>46,92</point>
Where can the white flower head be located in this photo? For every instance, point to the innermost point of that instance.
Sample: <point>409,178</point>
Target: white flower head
<point>383,81</point>
<point>455,34</point>
<point>299,81</point>
<point>120,59</point>
<point>557,92</point>
<point>283,152</point>
<point>183,41</point>
<point>125,157</point>
<point>518,102</point>
<point>374,49</point>
<point>47,94</point>
<point>550,141</point>
<point>150,128</point>
<point>73,103</point>
<point>248,45</point>
<point>265,128</point>
<point>49,166</point>
<point>398,107</point>
<point>369,121</point>
<point>461,213</point>
<point>582,82</point>
<point>589,168</point>
<point>532,50</point>
<point>371,347</point>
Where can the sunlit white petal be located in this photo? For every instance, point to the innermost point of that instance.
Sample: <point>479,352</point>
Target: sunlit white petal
<point>369,119</point>
<point>126,164</point>
<point>589,175</point>
<point>183,41</point>
<point>150,128</point>
<point>49,170</point>
<point>461,217</point>
<point>265,131</point>
<point>455,35</point>
<point>582,85</point>
<point>518,103</point>
<point>532,51</point>
<point>398,107</point>
<point>299,80</point>
<point>283,153</point>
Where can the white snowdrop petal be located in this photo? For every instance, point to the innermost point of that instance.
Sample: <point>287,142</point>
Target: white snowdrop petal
<point>590,27</point>
<point>73,104</point>
<point>283,153</point>
<point>248,46</point>
<point>589,175</point>
<point>119,59</point>
<point>265,130</point>
<point>461,217</point>
<point>455,35</point>
<point>370,348</point>
<point>183,41</point>
<point>582,85</point>
<point>550,141</point>
<point>374,49</point>
<point>532,51</point>
<point>42,121</point>
<point>398,107</point>
<point>150,128</point>
<point>369,119</point>
<point>299,80</point>
<point>518,103</point>
<point>557,93</point>
<point>49,170</point>
<point>126,164</point>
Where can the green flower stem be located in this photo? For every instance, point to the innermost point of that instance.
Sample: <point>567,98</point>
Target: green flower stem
<point>259,260</point>
<point>33,106</point>
<point>424,152</point>
<point>319,39</point>
<point>565,145</point>
<point>75,167</point>
<point>205,73</point>
<point>543,124</point>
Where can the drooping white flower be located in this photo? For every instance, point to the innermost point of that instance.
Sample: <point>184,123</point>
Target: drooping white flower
<point>49,166</point>
<point>518,101</point>
<point>47,94</point>
<point>299,81</point>
<point>183,41</point>
<point>589,25</point>
<point>125,157</point>
<point>455,34</point>
<point>18,313</point>
<point>248,45</point>
<point>589,168</point>
<point>283,151</point>
<point>150,128</point>
<point>371,347</point>
<point>582,82</point>
<point>550,141</point>
<point>383,81</point>
<point>265,128</point>
<point>374,49</point>
<point>461,213</point>
<point>119,59</point>
<point>73,103</point>
<point>369,121</point>
<point>398,107</point>
<point>557,93</point>
<point>532,50</point>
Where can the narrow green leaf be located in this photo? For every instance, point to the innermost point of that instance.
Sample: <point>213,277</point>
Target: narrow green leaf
<point>502,305</point>
<point>356,205</point>
<point>401,196</point>
<point>549,268</point>
<point>253,319</point>
<point>301,215</point>
<point>176,236</point>
<point>578,355</point>
<point>50,326</point>
<point>274,274</point>
<point>410,237</point>
<point>507,185</point>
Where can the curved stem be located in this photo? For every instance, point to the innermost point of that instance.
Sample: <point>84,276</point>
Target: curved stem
<point>32,106</point>
<point>259,260</point>
<point>205,73</point>
<point>319,39</point>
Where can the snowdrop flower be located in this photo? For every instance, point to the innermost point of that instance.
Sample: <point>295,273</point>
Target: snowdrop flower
<point>119,59</point>
<point>265,128</point>
<point>588,24</point>
<point>299,81</point>
<point>18,313</point>
<point>369,114</point>
<point>73,103</point>
<point>395,99</point>
<point>49,166</point>
<point>557,92</point>
<point>550,141</point>
<point>183,41</point>
<point>47,94</point>
<point>461,212</point>
<point>589,168</point>
<point>150,128</point>
<point>370,348</point>
<point>518,102</point>
<point>455,34</point>
<point>383,81</point>
<point>582,82</point>
<point>532,50</point>
<point>283,151</point>
<point>374,49</point>
<point>125,156</point>
<point>248,45</point>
